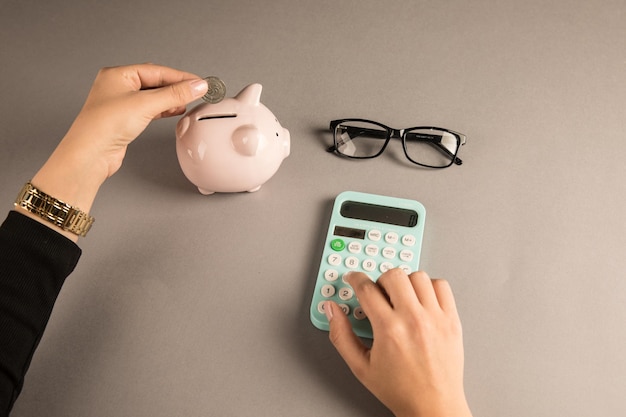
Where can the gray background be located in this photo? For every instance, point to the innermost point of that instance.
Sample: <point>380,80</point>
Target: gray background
<point>191,305</point>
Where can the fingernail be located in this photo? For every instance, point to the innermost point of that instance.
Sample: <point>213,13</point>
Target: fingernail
<point>328,310</point>
<point>199,87</point>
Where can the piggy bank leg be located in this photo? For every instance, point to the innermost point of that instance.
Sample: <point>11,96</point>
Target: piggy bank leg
<point>205,192</point>
<point>254,189</point>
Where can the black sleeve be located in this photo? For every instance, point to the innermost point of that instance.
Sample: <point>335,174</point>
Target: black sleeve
<point>34,262</point>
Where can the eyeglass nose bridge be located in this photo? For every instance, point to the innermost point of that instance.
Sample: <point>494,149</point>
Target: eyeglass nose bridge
<point>396,133</point>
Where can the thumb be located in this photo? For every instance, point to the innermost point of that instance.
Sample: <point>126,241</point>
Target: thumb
<point>347,343</point>
<point>175,96</point>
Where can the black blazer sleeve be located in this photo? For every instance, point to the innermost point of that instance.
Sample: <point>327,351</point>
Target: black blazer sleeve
<point>34,262</point>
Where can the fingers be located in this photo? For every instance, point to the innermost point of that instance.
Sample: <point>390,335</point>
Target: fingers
<point>182,87</point>
<point>371,296</point>
<point>395,290</point>
<point>159,91</point>
<point>154,76</point>
<point>347,343</point>
<point>398,288</point>
<point>444,295</point>
<point>172,98</point>
<point>423,288</point>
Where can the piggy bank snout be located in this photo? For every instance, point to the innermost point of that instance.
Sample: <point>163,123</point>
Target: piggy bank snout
<point>246,140</point>
<point>287,142</point>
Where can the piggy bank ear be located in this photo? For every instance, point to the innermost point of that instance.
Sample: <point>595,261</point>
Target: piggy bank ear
<point>250,94</point>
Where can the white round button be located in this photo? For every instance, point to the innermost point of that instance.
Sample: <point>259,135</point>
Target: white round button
<point>369,265</point>
<point>344,308</point>
<point>385,266</point>
<point>328,290</point>
<point>334,259</point>
<point>371,250</point>
<point>408,240</point>
<point>391,238</point>
<point>354,247</point>
<point>352,262</point>
<point>346,293</point>
<point>331,275</point>
<point>406,255</point>
<point>320,307</point>
<point>374,235</point>
<point>389,252</point>
<point>407,269</point>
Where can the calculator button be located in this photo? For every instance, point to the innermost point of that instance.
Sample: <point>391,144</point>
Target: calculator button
<point>334,259</point>
<point>406,255</point>
<point>359,314</point>
<point>369,265</point>
<point>331,275</point>
<point>374,235</point>
<point>320,306</point>
<point>407,269</point>
<point>371,250</point>
<point>352,262</point>
<point>386,266</point>
<point>346,293</point>
<point>344,308</point>
<point>391,238</point>
<point>337,245</point>
<point>408,240</point>
<point>389,252</point>
<point>354,247</point>
<point>328,290</point>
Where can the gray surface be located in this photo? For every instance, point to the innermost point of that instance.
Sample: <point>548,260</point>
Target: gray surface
<point>191,305</point>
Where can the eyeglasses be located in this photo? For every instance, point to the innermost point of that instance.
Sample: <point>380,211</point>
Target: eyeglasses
<point>432,147</point>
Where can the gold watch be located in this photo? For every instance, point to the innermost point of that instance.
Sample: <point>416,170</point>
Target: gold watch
<point>61,214</point>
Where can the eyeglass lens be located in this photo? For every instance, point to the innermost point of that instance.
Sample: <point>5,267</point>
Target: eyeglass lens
<point>432,147</point>
<point>360,139</point>
<point>425,146</point>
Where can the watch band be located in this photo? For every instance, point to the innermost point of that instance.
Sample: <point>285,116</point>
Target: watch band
<point>61,214</point>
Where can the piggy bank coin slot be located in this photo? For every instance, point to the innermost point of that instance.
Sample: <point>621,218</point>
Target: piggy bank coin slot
<point>217,116</point>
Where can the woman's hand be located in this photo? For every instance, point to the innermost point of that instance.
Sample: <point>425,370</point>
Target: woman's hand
<point>121,104</point>
<point>415,364</point>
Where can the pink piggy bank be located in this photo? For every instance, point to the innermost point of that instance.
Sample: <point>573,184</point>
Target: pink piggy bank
<point>231,146</point>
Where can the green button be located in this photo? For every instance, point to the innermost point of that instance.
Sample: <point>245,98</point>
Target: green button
<point>338,245</point>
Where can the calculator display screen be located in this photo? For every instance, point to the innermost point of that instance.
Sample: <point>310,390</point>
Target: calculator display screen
<point>349,232</point>
<point>380,214</point>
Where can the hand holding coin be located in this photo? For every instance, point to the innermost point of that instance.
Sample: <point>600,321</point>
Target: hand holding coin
<point>216,91</point>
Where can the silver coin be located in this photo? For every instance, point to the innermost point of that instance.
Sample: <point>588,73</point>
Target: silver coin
<point>216,91</point>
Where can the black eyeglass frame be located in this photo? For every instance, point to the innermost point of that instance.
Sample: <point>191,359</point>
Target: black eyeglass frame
<point>400,134</point>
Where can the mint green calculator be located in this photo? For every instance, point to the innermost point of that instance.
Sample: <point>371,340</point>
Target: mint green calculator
<point>368,233</point>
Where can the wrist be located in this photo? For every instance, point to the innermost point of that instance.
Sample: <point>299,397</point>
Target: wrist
<point>53,212</point>
<point>72,174</point>
<point>453,407</point>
